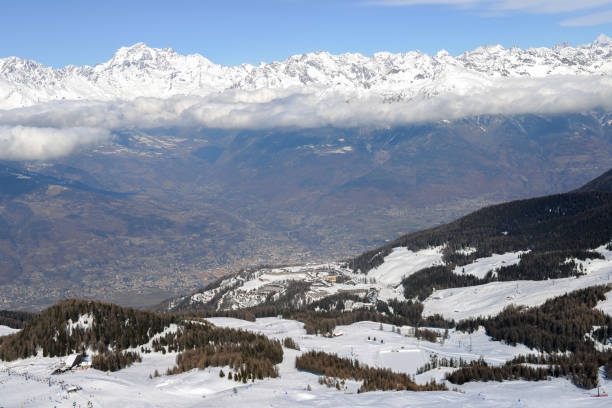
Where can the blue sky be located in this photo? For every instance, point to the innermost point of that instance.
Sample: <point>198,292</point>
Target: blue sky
<point>230,32</point>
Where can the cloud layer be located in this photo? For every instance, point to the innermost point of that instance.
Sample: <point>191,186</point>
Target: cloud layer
<point>41,143</point>
<point>529,6</point>
<point>54,129</point>
<point>600,11</point>
<point>283,108</point>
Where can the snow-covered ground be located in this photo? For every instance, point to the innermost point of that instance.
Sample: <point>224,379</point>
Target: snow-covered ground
<point>362,341</point>
<point>31,384</point>
<point>492,298</point>
<point>402,262</point>
<point>481,266</point>
<point>606,305</point>
<point>384,283</point>
<point>4,330</point>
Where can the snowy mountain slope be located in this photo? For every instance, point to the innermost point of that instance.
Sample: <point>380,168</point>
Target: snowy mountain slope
<point>403,262</point>
<point>492,298</point>
<point>548,246</point>
<point>397,351</point>
<point>28,381</point>
<point>260,285</point>
<point>481,266</point>
<point>141,71</point>
<point>384,284</point>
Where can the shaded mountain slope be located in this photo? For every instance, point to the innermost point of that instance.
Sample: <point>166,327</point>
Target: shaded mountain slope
<point>571,221</point>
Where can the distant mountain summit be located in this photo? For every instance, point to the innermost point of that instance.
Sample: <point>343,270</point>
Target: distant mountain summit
<point>141,71</point>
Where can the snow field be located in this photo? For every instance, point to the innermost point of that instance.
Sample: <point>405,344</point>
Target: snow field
<point>5,330</point>
<point>481,266</point>
<point>132,386</point>
<point>402,262</point>
<point>492,298</point>
<point>397,351</point>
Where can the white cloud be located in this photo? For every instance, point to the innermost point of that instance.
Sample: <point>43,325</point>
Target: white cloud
<point>529,6</point>
<point>41,143</point>
<point>593,19</point>
<point>272,109</point>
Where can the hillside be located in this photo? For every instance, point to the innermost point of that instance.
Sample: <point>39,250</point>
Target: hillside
<point>572,221</point>
<point>467,366</point>
<point>553,237</point>
<point>152,214</point>
<point>114,337</point>
<point>602,183</point>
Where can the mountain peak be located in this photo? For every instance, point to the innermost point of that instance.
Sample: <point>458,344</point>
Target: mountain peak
<point>140,70</point>
<point>603,40</point>
<point>139,52</point>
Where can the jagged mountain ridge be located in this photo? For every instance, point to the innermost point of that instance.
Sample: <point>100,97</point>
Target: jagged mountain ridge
<point>141,71</point>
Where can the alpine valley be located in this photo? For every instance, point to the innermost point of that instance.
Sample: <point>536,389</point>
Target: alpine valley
<point>508,305</point>
<point>325,231</point>
<point>174,171</point>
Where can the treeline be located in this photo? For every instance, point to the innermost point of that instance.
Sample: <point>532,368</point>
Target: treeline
<point>334,302</point>
<point>429,335</point>
<point>115,360</point>
<point>202,345</point>
<point>422,283</point>
<point>290,343</point>
<point>532,266</point>
<point>110,328</point>
<point>560,324</point>
<point>582,368</point>
<point>435,361</point>
<point>324,323</point>
<point>568,221</point>
<point>547,265</point>
<point>14,319</point>
<point>321,318</point>
<point>330,365</point>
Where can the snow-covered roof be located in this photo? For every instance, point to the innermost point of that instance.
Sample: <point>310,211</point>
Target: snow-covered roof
<point>72,359</point>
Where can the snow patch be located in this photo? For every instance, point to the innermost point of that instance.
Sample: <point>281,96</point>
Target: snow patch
<point>402,262</point>
<point>5,330</point>
<point>481,266</point>
<point>84,322</point>
<point>492,298</point>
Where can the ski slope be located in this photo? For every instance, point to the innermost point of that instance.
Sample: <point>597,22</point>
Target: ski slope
<point>492,298</point>
<point>481,266</point>
<point>402,262</point>
<point>31,384</point>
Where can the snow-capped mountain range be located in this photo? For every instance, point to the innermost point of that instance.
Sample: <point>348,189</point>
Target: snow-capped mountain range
<point>141,71</point>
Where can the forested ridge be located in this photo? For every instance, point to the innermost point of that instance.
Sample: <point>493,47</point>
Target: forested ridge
<point>110,327</point>
<point>321,317</point>
<point>562,222</point>
<point>15,319</point>
<point>117,335</point>
<point>201,344</point>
